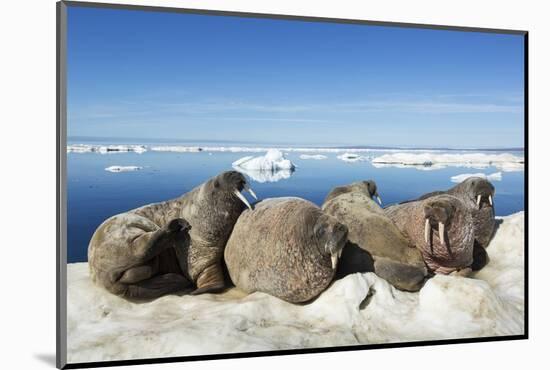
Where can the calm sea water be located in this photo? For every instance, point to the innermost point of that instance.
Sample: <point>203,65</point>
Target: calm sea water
<point>95,194</point>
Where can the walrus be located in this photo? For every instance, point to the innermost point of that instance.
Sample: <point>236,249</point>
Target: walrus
<point>478,195</point>
<point>442,228</point>
<point>368,187</point>
<point>164,247</point>
<point>375,244</point>
<point>286,247</point>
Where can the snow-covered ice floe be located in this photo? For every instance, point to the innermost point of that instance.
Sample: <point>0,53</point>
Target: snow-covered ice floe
<point>351,157</point>
<point>313,156</point>
<point>271,167</point>
<point>359,309</point>
<point>123,168</point>
<point>505,161</point>
<point>177,149</point>
<point>105,149</point>
<point>497,176</point>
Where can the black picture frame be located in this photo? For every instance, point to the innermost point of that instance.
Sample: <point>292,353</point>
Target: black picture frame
<point>61,199</point>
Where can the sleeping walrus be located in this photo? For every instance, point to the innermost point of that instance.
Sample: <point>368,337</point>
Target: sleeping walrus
<point>286,247</point>
<point>164,247</point>
<point>375,244</point>
<point>442,228</point>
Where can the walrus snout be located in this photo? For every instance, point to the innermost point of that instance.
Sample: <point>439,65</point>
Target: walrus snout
<point>481,191</point>
<point>335,235</point>
<point>236,182</point>
<point>438,215</point>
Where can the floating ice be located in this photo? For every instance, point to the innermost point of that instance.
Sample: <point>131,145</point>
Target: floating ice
<point>359,309</point>
<point>273,160</point>
<point>105,149</point>
<point>313,156</point>
<point>177,149</point>
<point>497,176</point>
<point>505,161</point>
<point>123,168</point>
<point>351,157</point>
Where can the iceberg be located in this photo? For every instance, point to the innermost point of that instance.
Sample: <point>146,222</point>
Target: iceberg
<point>497,176</point>
<point>177,149</point>
<point>273,160</point>
<point>123,168</point>
<point>105,149</point>
<point>505,161</point>
<point>358,309</point>
<point>313,156</point>
<point>271,167</point>
<point>351,157</point>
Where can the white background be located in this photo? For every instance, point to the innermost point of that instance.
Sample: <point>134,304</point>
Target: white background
<point>27,241</point>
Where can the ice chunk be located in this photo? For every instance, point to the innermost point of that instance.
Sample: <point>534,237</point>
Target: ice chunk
<point>177,149</point>
<point>313,156</point>
<point>497,176</point>
<point>123,168</point>
<point>359,309</point>
<point>273,160</point>
<point>105,149</point>
<point>351,157</point>
<point>503,161</point>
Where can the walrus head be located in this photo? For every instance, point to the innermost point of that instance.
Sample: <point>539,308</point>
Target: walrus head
<point>372,190</point>
<point>479,190</point>
<point>331,236</point>
<point>234,182</point>
<point>438,215</point>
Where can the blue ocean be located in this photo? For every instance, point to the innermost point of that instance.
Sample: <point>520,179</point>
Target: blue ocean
<point>95,194</point>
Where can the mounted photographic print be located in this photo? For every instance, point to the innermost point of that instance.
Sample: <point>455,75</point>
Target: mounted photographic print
<point>234,184</point>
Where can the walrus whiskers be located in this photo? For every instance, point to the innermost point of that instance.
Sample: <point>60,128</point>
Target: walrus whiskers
<point>242,198</point>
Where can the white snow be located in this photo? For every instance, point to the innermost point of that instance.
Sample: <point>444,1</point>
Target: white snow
<point>504,161</point>
<point>123,168</point>
<point>273,160</point>
<point>351,157</point>
<point>313,156</point>
<point>177,149</point>
<point>105,149</point>
<point>497,176</point>
<point>359,309</point>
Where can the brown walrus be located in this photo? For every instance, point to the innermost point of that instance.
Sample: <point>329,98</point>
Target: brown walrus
<point>374,242</point>
<point>442,228</point>
<point>478,195</point>
<point>164,247</point>
<point>286,247</point>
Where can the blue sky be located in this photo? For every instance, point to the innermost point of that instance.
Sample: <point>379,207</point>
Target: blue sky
<point>156,75</point>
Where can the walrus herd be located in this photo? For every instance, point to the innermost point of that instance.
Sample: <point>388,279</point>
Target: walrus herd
<point>289,247</point>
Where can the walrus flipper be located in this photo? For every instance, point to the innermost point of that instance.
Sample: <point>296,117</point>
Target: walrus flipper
<point>151,244</point>
<point>403,276</point>
<point>210,280</point>
<point>156,286</point>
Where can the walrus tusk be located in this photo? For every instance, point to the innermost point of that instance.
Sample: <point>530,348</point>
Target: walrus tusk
<point>491,200</point>
<point>241,197</point>
<point>378,198</point>
<point>334,260</point>
<point>478,200</point>
<point>247,188</point>
<point>340,252</point>
<point>427,231</point>
<point>442,233</point>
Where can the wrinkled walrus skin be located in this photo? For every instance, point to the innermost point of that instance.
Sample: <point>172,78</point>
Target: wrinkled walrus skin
<point>483,212</point>
<point>286,247</point>
<point>388,252</point>
<point>423,221</point>
<point>134,238</point>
